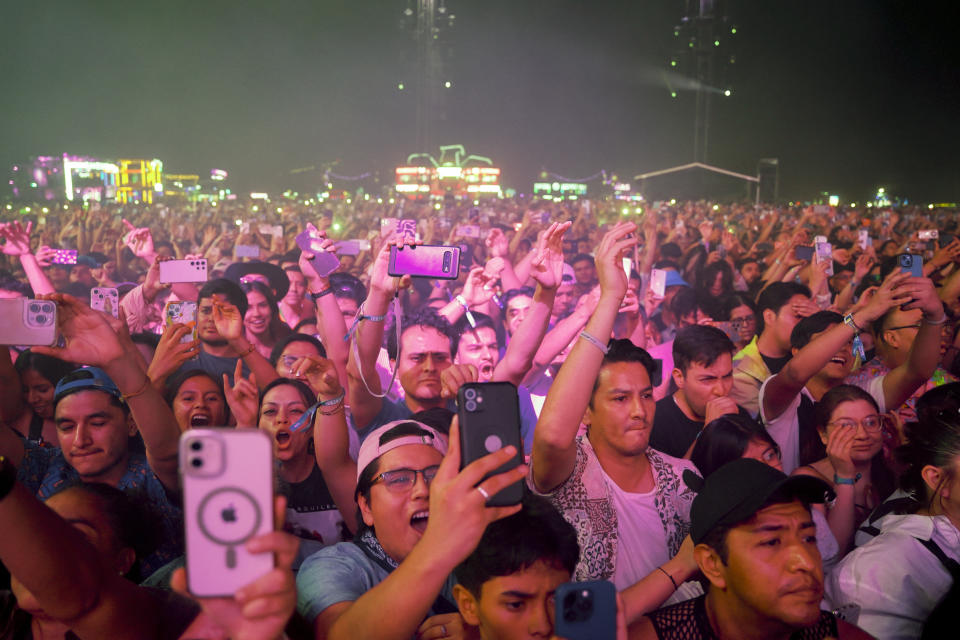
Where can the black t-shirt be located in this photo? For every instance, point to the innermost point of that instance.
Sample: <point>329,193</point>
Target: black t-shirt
<point>775,364</point>
<point>673,432</point>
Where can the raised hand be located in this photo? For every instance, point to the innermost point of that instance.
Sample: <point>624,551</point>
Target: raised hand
<point>478,287</point>
<point>171,352</point>
<point>887,295</point>
<point>497,243</point>
<point>262,608</point>
<point>320,374</point>
<point>45,255</point>
<point>454,377</point>
<point>228,320</point>
<point>140,241</point>
<point>458,511</point>
<point>88,336</point>
<point>547,265</point>
<point>16,238</point>
<point>617,241</point>
<point>864,264</point>
<point>242,396</point>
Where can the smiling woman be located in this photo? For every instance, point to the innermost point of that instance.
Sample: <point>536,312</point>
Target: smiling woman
<point>39,375</point>
<point>262,319</point>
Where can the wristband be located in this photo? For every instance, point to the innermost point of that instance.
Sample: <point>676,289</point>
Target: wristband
<point>672,581</point>
<point>247,352</point>
<point>592,340</point>
<point>849,321</point>
<point>8,476</point>
<point>939,322</point>
<point>463,302</point>
<point>851,481</point>
<point>320,294</point>
<point>332,401</point>
<point>143,387</point>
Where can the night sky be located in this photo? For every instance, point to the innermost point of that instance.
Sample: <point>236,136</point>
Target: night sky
<point>848,94</point>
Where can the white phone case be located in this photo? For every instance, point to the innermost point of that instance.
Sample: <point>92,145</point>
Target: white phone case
<point>658,282</point>
<point>105,299</point>
<point>28,322</point>
<point>227,499</point>
<point>183,270</point>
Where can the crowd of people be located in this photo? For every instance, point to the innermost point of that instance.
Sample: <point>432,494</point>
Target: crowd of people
<point>746,418</point>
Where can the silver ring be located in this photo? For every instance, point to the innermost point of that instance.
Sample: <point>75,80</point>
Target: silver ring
<point>443,629</point>
<point>483,492</point>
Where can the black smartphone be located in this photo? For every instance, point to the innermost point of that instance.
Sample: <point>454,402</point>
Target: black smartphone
<point>945,239</point>
<point>586,611</point>
<point>489,421</point>
<point>431,261</point>
<point>804,253</point>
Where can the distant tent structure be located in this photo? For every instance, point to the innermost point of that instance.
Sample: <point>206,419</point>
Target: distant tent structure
<point>697,181</point>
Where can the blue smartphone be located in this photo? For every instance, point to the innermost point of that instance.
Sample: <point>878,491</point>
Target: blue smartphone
<point>586,611</point>
<point>911,263</point>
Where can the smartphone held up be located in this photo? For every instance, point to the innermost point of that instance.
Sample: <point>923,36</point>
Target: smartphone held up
<point>227,479</point>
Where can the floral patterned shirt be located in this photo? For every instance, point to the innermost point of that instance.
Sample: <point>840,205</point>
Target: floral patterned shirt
<point>585,501</point>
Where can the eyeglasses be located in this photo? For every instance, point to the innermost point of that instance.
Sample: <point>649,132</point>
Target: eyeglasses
<point>402,480</point>
<point>905,326</point>
<point>743,322</point>
<point>870,424</point>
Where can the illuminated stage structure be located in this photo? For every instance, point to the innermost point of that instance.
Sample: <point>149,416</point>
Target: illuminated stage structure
<point>139,180</point>
<point>64,177</point>
<point>455,175</point>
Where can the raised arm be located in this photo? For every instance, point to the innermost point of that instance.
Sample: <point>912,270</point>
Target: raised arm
<point>784,387</point>
<point>229,323</point>
<point>331,435</point>
<point>900,383</point>
<point>554,448</point>
<point>92,340</point>
<point>54,561</point>
<point>547,271</point>
<point>330,320</point>
<point>364,405</point>
<point>458,518</point>
<point>17,243</point>
<point>499,247</point>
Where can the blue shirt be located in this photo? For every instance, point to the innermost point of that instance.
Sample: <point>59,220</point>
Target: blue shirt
<point>342,573</point>
<point>46,472</point>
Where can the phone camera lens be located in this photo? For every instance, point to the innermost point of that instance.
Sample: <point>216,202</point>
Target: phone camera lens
<point>471,405</point>
<point>196,445</point>
<point>196,463</point>
<point>34,308</point>
<point>47,308</point>
<point>470,394</point>
<point>41,319</point>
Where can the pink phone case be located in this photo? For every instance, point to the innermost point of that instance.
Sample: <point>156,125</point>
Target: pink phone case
<point>183,270</point>
<point>227,499</point>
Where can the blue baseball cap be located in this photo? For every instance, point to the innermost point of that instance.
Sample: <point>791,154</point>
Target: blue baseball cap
<point>675,279</point>
<point>85,379</point>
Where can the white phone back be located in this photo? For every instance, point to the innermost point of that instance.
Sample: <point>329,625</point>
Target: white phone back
<point>226,501</point>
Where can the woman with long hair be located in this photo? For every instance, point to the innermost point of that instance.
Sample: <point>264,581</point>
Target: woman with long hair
<point>898,579</point>
<point>849,423</point>
<point>732,437</point>
<point>32,416</point>
<point>262,321</point>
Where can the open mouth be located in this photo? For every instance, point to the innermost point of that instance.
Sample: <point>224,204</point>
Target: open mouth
<point>838,360</point>
<point>486,369</point>
<point>283,438</point>
<point>200,420</point>
<point>419,521</point>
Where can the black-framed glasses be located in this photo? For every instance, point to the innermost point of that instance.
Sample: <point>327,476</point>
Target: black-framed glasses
<point>402,480</point>
<point>745,321</point>
<point>905,326</point>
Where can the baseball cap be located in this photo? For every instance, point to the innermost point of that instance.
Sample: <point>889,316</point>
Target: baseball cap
<point>675,279</point>
<point>371,449</point>
<point>86,379</point>
<point>736,491</point>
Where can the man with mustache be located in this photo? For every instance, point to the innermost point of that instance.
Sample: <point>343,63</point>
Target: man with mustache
<point>756,544</point>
